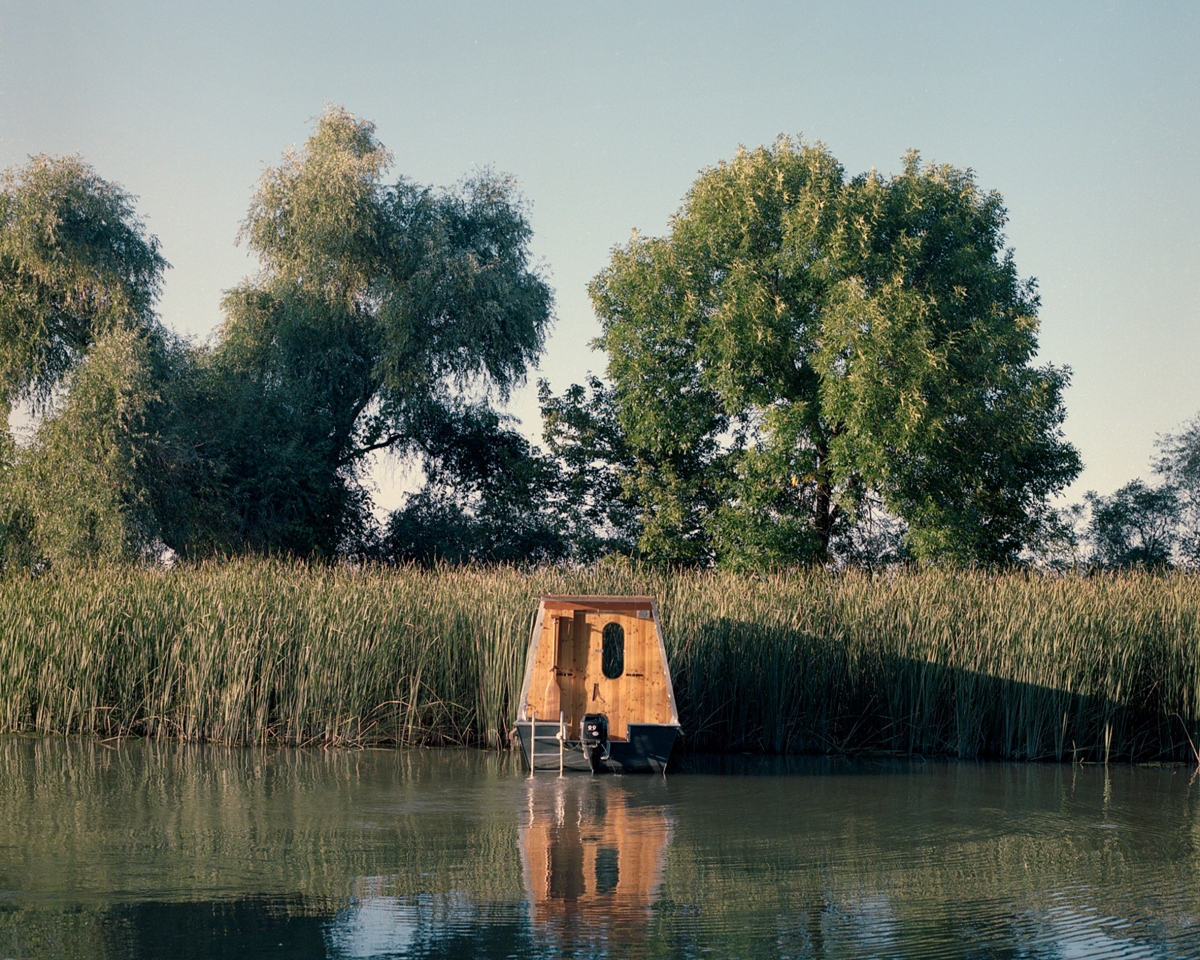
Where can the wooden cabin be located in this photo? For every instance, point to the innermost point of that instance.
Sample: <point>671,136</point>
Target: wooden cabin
<point>598,656</point>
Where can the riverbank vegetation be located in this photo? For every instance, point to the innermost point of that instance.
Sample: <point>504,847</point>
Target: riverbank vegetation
<point>964,664</point>
<point>821,401</point>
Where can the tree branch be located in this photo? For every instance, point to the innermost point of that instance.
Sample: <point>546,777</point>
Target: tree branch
<point>355,454</point>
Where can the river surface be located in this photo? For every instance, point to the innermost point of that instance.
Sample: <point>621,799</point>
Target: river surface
<point>140,850</point>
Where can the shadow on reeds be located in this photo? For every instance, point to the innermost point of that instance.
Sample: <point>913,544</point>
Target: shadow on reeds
<point>951,663</point>
<point>746,687</point>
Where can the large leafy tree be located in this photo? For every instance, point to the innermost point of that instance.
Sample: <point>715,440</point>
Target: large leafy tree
<point>593,461</point>
<point>81,345</point>
<point>1151,525</point>
<point>1157,525</point>
<point>803,348</point>
<point>1134,527</point>
<point>379,308</point>
<point>489,497</point>
<point>75,263</point>
<point>104,477</point>
<point>1178,463</point>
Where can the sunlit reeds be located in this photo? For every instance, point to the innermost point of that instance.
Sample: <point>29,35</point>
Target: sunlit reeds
<point>966,664</point>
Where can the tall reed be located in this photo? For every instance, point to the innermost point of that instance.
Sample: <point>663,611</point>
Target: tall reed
<point>960,664</point>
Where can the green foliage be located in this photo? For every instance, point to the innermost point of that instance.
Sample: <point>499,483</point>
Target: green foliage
<point>107,474</point>
<point>1179,457</point>
<point>441,279</point>
<point>1178,463</point>
<point>1152,526</point>
<point>807,368</point>
<point>489,497</point>
<point>276,405</point>
<point>802,345</point>
<point>75,264</point>
<point>378,308</point>
<point>926,367</point>
<point>103,470</point>
<point>1135,527</point>
<point>582,433</point>
<point>670,418</point>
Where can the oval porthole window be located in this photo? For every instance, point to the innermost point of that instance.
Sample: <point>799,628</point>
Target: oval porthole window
<point>613,660</point>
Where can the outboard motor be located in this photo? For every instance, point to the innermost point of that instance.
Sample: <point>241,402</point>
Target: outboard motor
<point>594,740</point>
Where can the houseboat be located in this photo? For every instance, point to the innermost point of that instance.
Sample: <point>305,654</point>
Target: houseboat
<point>597,693</point>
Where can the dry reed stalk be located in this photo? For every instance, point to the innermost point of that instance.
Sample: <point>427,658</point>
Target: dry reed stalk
<point>963,664</point>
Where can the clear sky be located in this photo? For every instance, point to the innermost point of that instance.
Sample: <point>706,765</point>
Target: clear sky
<point>1085,116</point>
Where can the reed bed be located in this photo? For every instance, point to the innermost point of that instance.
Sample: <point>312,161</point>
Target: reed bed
<point>962,664</point>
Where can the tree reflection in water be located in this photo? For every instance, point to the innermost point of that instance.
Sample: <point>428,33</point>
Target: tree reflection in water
<point>141,851</point>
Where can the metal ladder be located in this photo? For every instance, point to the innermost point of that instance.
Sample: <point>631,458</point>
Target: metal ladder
<point>560,736</point>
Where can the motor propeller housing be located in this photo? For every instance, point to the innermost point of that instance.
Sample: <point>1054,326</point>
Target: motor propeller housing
<point>594,739</point>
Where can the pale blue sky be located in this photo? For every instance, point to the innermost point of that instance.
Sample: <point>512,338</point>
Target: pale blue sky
<point>1085,116</point>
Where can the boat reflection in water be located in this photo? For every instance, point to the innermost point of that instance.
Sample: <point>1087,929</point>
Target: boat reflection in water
<point>592,853</point>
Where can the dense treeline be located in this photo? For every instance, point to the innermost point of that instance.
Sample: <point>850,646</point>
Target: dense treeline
<point>966,665</point>
<point>810,367</point>
<point>809,372</point>
<point>383,318</point>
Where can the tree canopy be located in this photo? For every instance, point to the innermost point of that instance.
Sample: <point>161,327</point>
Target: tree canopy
<point>79,276</point>
<point>1152,525</point>
<point>808,367</point>
<point>75,263</point>
<point>379,307</point>
<point>379,310</point>
<point>1134,527</point>
<point>805,349</point>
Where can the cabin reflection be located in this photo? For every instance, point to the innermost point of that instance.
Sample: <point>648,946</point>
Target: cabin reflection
<point>592,854</point>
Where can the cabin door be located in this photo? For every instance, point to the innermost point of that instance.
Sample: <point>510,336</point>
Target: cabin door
<point>609,680</point>
<point>564,686</point>
<point>601,662</point>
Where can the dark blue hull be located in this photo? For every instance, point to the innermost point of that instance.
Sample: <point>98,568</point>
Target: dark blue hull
<point>647,749</point>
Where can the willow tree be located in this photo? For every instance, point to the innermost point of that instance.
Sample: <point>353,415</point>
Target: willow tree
<point>81,345</point>
<point>75,263</point>
<point>802,347</point>
<point>380,308</point>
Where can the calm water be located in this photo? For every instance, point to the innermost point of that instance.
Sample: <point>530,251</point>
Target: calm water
<point>143,850</point>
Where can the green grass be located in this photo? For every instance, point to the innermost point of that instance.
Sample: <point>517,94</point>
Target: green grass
<point>966,664</point>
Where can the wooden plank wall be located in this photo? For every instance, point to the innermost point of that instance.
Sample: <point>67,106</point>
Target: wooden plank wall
<point>639,695</point>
